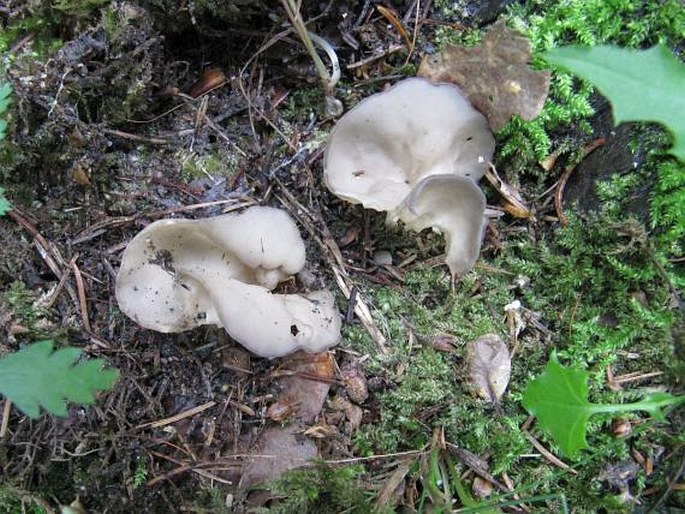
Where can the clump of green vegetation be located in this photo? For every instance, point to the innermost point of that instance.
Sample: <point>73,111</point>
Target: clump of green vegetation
<point>79,8</point>
<point>321,489</point>
<point>16,502</point>
<point>194,166</point>
<point>558,399</point>
<point>592,289</point>
<point>667,214</point>
<point>25,310</point>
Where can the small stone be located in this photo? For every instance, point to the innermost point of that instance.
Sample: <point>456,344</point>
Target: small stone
<point>382,257</point>
<point>621,428</point>
<point>481,487</point>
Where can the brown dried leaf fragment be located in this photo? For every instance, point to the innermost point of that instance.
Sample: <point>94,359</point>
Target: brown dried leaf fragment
<point>305,383</point>
<point>489,366</point>
<point>494,75</point>
<point>278,450</point>
<point>512,202</point>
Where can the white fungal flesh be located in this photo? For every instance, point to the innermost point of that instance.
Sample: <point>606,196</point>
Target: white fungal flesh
<point>179,274</point>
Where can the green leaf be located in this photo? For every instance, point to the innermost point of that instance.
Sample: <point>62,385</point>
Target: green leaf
<point>558,399</point>
<point>38,376</point>
<point>5,91</point>
<point>4,203</point>
<point>645,85</point>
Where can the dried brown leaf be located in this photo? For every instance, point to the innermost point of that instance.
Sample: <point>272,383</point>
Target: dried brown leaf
<point>305,387</point>
<point>489,366</point>
<point>513,202</point>
<point>278,450</point>
<point>495,75</point>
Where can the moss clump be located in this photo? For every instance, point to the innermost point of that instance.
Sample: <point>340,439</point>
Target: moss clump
<point>323,489</point>
<point>599,290</point>
<point>13,501</point>
<point>194,166</point>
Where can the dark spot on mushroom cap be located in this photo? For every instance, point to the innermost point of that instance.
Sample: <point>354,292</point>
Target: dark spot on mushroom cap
<point>293,330</point>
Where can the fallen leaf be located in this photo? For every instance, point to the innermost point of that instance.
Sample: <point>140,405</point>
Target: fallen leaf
<point>444,343</point>
<point>489,366</point>
<point>278,450</point>
<point>353,413</point>
<point>495,75</point>
<point>513,202</point>
<point>304,387</point>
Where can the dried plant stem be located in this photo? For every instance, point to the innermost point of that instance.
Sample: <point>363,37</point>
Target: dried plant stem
<point>332,106</point>
<point>332,56</point>
<point>292,9</point>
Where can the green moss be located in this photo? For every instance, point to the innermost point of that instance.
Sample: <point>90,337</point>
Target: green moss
<point>194,166</point>
<point>628,23</point>
<point>323,489</point>
<point>23,305</point>
<point>598,295</point>
<point>79,8</point>
<point>301,103</point>
<point>44,41</point>
<point>13,502</point>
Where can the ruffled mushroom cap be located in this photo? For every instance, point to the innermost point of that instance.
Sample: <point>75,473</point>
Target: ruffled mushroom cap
<point>452,205</point>
<point>390,141</point>
<point>179,274</point>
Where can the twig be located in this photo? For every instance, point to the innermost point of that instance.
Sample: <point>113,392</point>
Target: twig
<point>672,485</point>
<point>136,137</point>
<point>7,407</point>
<point>561,185</point>
<point>329,81</point>
<point>390,50</point>
<point>415,32</point>
<point>80,286</point>
<point>393,19</point>
<point>468,458</point>
<point>633,377</point>
<point>182,415</point>
<point>376,457</point>
<point>547,454</point>
<point>201,115</point>
<point>361,309</point>
<point>47,251</point>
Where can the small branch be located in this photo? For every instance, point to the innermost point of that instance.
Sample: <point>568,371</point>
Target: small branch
<point>5,417</point>
<point>81,290</point>
<point>173,419</point>
<point>549,455</point>
<point>561,185</point>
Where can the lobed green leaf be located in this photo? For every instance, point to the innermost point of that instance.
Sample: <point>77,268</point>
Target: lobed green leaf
<point>38,377</point>
<point>558,398</point>
<point>642,85</point>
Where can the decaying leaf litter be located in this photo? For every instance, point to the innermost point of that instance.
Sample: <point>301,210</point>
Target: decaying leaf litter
<point>220,398</point>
